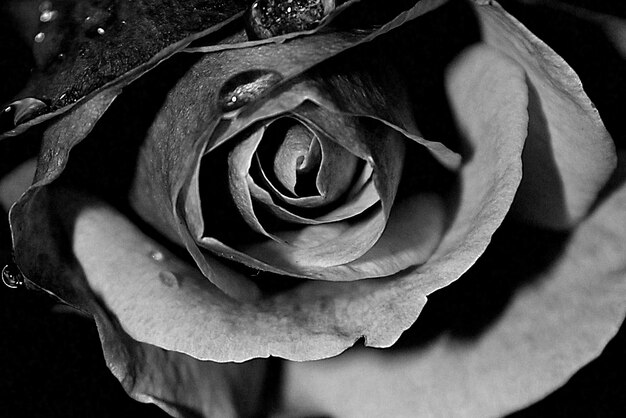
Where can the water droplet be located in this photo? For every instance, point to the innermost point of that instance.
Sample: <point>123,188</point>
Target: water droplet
<point>12,276</point>
<point>48,15</point>
<point>169,279</point>
<point>25,109</point>
<point>97,20</point>
<point>268,18</point>
<point>39,38</point>
<point>246,87</point>
<point>157,255</point>
<point>20,111</point>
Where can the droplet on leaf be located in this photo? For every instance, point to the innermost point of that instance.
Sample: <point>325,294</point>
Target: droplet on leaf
<point>246,87</point>
<point>268,18</point>
<point>12,277</point>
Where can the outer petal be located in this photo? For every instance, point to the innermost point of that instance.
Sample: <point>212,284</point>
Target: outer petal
<point>569,154</point>
<point>558,321</point>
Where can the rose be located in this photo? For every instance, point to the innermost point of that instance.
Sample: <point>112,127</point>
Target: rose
<point>170,279</point>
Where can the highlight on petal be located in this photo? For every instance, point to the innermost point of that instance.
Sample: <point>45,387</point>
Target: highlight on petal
<point>559,320</point>
<point>569,154</point>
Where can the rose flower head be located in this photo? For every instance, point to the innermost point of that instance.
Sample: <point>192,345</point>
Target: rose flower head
<point>220,182</point>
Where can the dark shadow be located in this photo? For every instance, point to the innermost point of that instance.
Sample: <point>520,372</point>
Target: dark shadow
<point>587,48</point>
<point>421,51</point>
<point>542,186</point>
<point>467,307</point>
<point>597,390</point>
<point>16,59</point>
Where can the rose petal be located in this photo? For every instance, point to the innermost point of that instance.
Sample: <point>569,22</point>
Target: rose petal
<point>180,385</point>
<point>362,196</point>
<point>394,115</point>
<point>570,155</point>
<point>159,299</point>
<point>555,324</point>
<point>65,133</point>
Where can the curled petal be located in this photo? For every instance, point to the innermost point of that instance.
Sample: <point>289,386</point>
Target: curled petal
<point>569,154</point>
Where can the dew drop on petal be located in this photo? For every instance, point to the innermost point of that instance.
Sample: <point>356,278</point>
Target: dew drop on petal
<point>12,277</point>
<point>48,15</point>
<point>268,18</point>
<point>20,111</point>
<point>246,87</point>
<point>157,255</point>
<point>169,279</point>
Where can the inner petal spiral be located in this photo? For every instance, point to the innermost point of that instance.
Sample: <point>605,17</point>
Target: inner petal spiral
<point>300,167</point>
<point>297,160</point>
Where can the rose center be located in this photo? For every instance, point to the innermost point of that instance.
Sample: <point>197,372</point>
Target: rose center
<point>297,161</point>
<point>302,167</point>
